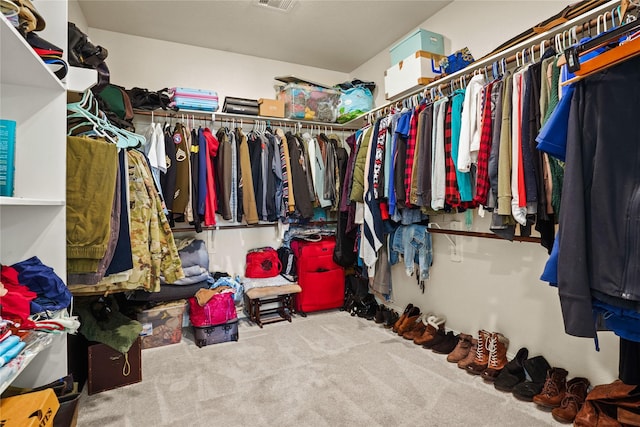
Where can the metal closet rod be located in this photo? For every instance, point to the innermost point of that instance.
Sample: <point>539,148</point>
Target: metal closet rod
<point>509,55</point>
<point>199,115</point>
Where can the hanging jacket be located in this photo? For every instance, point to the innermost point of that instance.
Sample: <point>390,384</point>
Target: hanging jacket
<point>248,194</point>
<point>183,184</point>
<point>298,178</point>
<point>223,174</point>
<point>211,146</point>
<point>168,178</point>
<point>357,188</point>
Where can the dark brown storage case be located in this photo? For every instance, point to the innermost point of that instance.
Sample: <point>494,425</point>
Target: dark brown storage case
<point>109,369</point>
<point>102,367</point>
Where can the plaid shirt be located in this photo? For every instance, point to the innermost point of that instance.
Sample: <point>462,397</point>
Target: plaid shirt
<point>482,177</point>
<point>452,195</point>
<point>411,152</point>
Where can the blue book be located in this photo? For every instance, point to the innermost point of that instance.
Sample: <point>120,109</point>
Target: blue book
<point>7,156</point>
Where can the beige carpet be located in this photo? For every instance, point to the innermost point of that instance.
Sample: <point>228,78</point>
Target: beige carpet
<point>329,369</point>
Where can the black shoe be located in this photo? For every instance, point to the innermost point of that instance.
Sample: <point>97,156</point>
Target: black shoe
<point>380,314</point>
<point>392,319</point>
<point>536,368</point>
<point>447,345</point>
<point>513,372</point>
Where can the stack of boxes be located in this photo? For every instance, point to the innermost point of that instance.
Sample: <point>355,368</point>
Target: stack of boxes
<point>414,62</point>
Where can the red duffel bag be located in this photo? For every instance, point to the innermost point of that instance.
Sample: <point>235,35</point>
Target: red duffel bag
<point>262,263</point>
<point>218,310</point>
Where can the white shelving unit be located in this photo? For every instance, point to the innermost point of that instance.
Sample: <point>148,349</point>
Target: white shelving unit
<point>33,222</point>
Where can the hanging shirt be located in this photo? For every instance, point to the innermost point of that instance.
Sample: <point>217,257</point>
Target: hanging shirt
<point>463,178</point>
<point>482,180</point>
<point>211,150</point>
<point>469,144</point>
<point>438,171</point>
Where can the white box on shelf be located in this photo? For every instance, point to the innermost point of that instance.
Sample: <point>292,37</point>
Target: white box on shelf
<point>419,69</point>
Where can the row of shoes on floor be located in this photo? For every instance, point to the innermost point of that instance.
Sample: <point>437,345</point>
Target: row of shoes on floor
<point>528,379</point>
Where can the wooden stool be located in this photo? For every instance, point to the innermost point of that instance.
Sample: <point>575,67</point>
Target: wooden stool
<point>281,295</point>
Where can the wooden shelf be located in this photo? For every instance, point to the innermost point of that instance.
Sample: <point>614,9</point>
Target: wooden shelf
<point>25,67</point>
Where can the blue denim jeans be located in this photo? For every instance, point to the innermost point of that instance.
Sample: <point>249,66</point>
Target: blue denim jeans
<point>413,242</point>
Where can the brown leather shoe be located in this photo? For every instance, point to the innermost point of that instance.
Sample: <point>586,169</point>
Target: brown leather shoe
<point>461,349</point>
<point>554,389</point>
<point>573,400</point>
<point>447,345</point>
<point>481,359</point>
<point>498,345</point>
<point>463,363</point>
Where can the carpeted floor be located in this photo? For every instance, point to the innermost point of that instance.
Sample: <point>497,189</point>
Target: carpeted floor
<point>329,369</point>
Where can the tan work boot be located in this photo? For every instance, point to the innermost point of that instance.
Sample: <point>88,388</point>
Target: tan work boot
<point>481,359</point>
<point>498,345</point>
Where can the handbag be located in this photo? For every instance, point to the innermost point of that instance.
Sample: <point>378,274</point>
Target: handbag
<point>218,310</point>
<point>262,263</point>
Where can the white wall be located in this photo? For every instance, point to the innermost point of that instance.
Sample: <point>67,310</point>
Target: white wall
<point>496,286</point>
<point>481,26</point>
<point>76,16</point>
<point>154,64</point>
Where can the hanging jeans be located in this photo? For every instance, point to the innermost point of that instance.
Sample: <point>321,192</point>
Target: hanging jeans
<point>414,243</point>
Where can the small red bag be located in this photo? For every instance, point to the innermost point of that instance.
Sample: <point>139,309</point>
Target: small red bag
<point>262,263</point>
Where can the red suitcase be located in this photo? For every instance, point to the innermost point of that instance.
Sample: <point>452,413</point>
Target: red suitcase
<point>321,279</point>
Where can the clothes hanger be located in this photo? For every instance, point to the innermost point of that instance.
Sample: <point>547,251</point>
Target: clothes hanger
<point>102,127</point>
<point>613,56</point>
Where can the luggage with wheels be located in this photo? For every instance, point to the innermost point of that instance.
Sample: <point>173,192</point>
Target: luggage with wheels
<point>321,279</point>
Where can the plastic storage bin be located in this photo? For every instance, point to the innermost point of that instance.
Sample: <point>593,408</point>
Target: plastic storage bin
<point>307,102</point>
<point>420,39</point>
<point>162,325</point>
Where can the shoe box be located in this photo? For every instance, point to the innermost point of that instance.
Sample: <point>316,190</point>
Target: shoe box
<point>100,366</point>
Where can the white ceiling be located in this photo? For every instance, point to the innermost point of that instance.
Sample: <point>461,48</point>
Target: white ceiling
<point>334,35</point>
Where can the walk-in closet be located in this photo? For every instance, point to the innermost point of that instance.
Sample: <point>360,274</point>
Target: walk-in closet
<point>306,212</point>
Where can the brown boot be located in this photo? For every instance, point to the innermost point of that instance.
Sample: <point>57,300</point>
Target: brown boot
<point>471,356</point>
<point>555,387</point>
<point>434,324</point>
<point>402,317</point>
<point>462,348</point>
<point>414,329</point>
<point>408,323</point>
<point>573,400</point>
<point>481,359</point>
<point>498,345</point>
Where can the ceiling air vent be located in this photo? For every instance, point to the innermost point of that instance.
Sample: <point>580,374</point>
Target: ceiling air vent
<point>281,5</point>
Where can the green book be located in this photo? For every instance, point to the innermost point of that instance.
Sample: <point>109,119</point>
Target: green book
<point>7,156</point>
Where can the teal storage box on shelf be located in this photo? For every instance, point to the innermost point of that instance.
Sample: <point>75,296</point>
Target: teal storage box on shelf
<point>419,40</point>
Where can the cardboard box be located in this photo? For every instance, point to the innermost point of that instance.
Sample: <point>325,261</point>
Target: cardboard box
<point>419,69</point>
<point>271,107</point>
<point>419,40</point>
<point>162,324</point>
<point>35,409</point>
